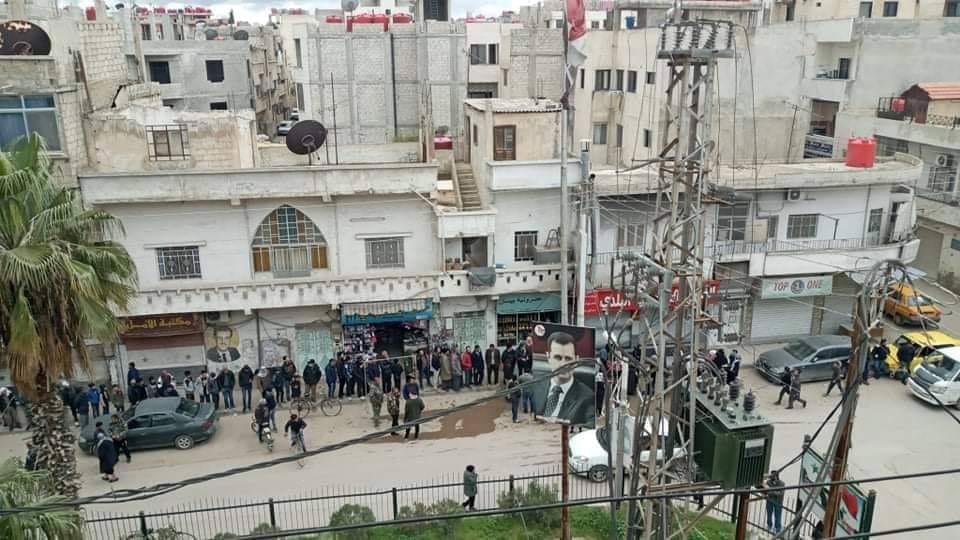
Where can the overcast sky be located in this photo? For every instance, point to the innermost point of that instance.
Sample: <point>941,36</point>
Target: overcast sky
<point>257,11</point>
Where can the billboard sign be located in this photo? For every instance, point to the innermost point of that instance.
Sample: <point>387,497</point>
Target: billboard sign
<point>856,507</point>
<point>795,287</point>
<point>569,396</point>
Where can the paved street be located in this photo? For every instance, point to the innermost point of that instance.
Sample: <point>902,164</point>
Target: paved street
<point>895,433</point>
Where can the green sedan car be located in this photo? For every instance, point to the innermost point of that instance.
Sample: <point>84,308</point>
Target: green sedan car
<point>160,422</point>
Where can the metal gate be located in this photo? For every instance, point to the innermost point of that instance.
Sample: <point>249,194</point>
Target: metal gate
<point>838,306</point>
<point>781,319</point>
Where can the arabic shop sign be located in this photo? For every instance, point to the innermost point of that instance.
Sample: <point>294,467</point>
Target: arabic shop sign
<point>162,325</point>
<point>527,303</point>
<point>794,287</point>
<point>600,301</point>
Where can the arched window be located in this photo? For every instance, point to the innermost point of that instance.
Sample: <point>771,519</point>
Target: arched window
<point>288,244</point>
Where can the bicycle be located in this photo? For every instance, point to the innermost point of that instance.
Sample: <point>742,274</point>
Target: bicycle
<point>303,406</point>
<point>163,533</point>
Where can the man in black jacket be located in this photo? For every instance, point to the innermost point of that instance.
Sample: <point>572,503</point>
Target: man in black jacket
<point>477,365</point>
<point>509,360</point>
<point>311,377</point>
<point>785,380</point>
<point>492,356</point>
<point>245,380</point>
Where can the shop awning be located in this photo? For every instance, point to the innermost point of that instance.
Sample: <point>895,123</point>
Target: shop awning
<point>391,311</point>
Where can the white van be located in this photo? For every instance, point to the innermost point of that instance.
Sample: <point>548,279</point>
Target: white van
<point>939,375</point>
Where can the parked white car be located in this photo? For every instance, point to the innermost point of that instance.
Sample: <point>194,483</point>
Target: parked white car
<point>588,449</point>
<point>284,127</point>
<point>939,375</point>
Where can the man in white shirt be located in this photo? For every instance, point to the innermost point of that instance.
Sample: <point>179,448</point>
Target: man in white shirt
<point>567,399</point>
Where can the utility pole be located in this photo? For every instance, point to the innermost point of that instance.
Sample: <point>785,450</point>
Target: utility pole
<point>564,211</point>
<point>859,347</point>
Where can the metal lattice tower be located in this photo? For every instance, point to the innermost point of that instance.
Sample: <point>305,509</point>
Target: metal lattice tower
<point>691,50</point>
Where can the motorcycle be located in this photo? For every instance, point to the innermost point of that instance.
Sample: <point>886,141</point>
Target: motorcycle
<point>267,435</point>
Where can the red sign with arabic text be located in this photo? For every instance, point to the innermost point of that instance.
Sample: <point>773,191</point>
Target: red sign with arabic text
<point>600,301</point>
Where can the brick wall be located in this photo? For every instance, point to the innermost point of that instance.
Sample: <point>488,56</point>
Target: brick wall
<point>104,62</point>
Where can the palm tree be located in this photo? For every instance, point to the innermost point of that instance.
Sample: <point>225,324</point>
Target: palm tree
<point>61,277</point>
<point>19,488</point>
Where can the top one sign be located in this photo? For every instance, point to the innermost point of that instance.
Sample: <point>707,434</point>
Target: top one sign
<point>795,287</point>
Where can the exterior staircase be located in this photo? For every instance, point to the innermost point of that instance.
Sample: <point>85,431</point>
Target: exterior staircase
<point>469,195</point>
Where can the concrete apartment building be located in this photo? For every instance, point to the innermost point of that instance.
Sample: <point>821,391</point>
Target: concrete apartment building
<point>810,221</point>
<point>839,9</point>
<point>274,97</point>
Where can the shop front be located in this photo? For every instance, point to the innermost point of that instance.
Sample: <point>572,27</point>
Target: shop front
<point>172,342</point>
<point>398,327</point>
<point>516,314</point>
<point>783,307</point>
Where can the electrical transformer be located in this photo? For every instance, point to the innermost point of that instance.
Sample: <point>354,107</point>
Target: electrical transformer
<point>732,443</point>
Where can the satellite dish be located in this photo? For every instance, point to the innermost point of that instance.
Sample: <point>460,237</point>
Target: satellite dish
<point>22,38</point>
<point>241,35</point>
<point>210,34</point>
<point>306,137</point>
<point>349,5</point>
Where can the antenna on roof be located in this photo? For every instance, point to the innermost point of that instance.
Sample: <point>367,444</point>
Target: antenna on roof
<point>306,137</point>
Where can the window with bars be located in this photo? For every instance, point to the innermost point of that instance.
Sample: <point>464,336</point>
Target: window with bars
<point>504,143</point>
<point>732,221</point>
<point>524,245</point>
<point>630,235</point>
<point>181,262</point>
<point>22,115</point>
<point>384,252</point>
<point>802,226</point>
<point>215,70</point>
<point>288,244</point>
<point>168,142</point>
<point>875,221</point>
<point>773,227</point>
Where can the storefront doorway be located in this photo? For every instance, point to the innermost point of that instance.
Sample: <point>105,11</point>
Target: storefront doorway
<point>516,314</point>
<point>400,328</point>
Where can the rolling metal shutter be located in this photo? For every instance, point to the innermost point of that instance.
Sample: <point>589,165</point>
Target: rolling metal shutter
<point>780,319</point>
<point>838,306</point>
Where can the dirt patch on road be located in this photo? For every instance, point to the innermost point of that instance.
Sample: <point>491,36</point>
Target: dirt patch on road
<point>466,423</point>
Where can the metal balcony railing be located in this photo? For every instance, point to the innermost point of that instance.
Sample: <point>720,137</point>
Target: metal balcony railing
<point>740,247</point>
<point>916,111</point>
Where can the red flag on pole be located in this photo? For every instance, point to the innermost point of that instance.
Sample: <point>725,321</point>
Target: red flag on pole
<point>576,32</point>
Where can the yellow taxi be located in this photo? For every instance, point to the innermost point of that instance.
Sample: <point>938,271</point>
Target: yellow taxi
<point>907,306</point>
<point>923,342</point>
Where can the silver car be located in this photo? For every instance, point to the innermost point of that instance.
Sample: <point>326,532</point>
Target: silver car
<point>813,355</point>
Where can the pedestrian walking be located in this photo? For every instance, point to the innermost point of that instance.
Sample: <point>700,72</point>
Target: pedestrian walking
<point>477,366</point>
<point>189,386</point>
<point>774,502</point>
<point>107,456</point>
<point>795,390</point>
<point>341,375</point>
<point>376,401</point>
<point>526,394</point>
<point>93,396</point>
<point>311,378</point>
<point>836,377</point>
<point>82,404</point>
<point>117,398</point>
<point>905,355</point>
<point>133,375</point>
<point>423,368</point>
<point>396,369</point>
<point>492,358</point>
<point>412,411</point>
<point>118,432</point>
<point>514,397</point>
<point>600,388</point>
<point>67,395</point>
<point>470,488</point>
<point>105,398</point>
<point>393,407</point>
<point>245,381</point>
<point>785,378</point>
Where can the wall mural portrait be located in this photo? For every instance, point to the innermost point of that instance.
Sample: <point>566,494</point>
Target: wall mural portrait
<point>222,344</point>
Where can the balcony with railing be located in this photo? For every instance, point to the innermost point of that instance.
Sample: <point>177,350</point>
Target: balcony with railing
<point>914,110</point>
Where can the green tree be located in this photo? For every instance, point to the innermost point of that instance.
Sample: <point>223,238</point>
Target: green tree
<point>20,487</point>
<point>61,277</point>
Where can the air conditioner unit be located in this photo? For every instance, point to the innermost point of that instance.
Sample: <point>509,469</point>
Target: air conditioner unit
<point>943,160</point>
<point>793,195</point>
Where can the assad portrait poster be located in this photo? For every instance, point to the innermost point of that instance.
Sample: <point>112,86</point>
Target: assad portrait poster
<point>568,396</point>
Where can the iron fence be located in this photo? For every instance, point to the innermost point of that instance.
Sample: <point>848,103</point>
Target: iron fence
<point>205,519</point>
